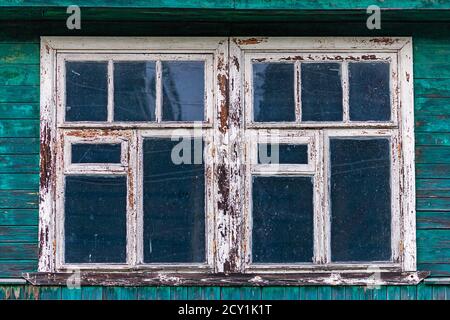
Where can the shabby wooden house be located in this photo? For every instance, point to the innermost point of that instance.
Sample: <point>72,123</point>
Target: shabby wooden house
<point>138,142</point>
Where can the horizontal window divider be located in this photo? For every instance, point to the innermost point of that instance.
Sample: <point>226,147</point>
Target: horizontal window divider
<point>282,171</point>
<point>96,169</point>
<point>224,280</point>
<point>134,125</point>
<point>322,125</point>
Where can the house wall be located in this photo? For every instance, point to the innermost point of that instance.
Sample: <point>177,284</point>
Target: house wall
<point>19,147</point>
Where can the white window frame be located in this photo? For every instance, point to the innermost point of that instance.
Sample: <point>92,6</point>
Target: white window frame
<point>230,147</point>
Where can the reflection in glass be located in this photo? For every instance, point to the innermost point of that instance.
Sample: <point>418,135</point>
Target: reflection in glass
<point>86,91</point>
<point>134,91</point>
<point>96,153</point>
<point>273,92</point>
<point>183,90</point>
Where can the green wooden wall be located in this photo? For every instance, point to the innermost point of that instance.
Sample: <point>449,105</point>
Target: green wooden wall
<point>19,143</point>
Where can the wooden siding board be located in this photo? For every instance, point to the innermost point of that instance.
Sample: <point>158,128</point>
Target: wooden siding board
<point>91,293</point>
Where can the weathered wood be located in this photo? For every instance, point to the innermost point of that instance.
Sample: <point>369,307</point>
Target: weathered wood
<point>292,279</point>
<point>19,251</point>
<point>20,199</point>
<point>18,233</point>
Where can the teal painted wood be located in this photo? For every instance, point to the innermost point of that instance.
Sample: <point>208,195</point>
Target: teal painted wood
<point>324,293</point>
<point>50,293</point>
<point>337,293</point>
<point>71,293</point>
<point>439,293</point>
<point>20,110</point>
<point>308,293</point>
<point>178,293</point>
<point>424,292</point>
<point>230,293</point>
<point>250,293</point>
<point>92,293</point>
<point>379,293</point>
<point>19,217</point>
<point>393,293</point>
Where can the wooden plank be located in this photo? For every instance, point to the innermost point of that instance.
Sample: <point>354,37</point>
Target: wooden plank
<point>147,293</point>
<point>19,181</point>
<point>431,106</point>
<point>436,204</point>
<point>338,293</point>
<point>111,293</point>
<point>20,199</point>
<point>19,145</point>
<point>22,217</point>
<point>20,251</point>
<point>22,94</point>
<point>272,293</point>
<point>21,129</point>
<point>223,280</point>
<point>434,139</point>
<point>15,268</point>
<point>432,123</point>
<point>163,293</point>
<point>19,164</point>
<point>250,293</point>
<point>19,234</point>
<point>433,246</point>
<point>50,293</point>
<point>432,88</point>
<point>424,292</point>
<point>19,111</point>
<point>196,293</point>
<point>439,293</point>
<point>393,293</point>
<point>178,293</point>
<point>408,293</point>
<point>307,293</point>
<point>324,293</point>
<point>128,293</point>
<point>19,53</point>
<point>433,184</point>
<point>70,293</point>
<point>92,293</point>
<point>380,293</point>
<point>230,293</point>
<point>433,219</point>
<point>354,293</point>
<point>22,75</point>
<point>436,269</point>
<point>433,170</point>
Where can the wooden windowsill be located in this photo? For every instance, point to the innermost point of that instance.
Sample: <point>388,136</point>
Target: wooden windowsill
<point>207,279</point>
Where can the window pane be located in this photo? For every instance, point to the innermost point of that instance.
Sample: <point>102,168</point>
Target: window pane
<point>369,91</point>
<point>86,91</point>
<point>282,219</point>
<point>134,91</point>
<point>96,153</point>
<point>283,153</point>
<point>174,203</point>
<point>321,92</point>
<point>183,90</point>
<point>273,92</point>
<point>360,200</point>
<point>95,219</point>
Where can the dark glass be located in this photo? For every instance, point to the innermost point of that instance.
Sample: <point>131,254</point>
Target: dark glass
<point>174,204</point>
<point>96,153</point>
<point>273,92</point>
<point>369,91</point>
<point>134,91</point>
<point>282,219</point>
<point>360,199</point>
<point>287,153</point>
<point>86,91</point>
<point>321,92</point>
<point>95,219</point>
<point>183,90</point>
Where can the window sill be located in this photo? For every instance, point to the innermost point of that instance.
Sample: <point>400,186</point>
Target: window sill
<point>207,279</point>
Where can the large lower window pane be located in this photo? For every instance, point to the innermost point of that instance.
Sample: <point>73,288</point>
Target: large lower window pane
<point>134,91</point>
<point>183,90</point>
<point>86,91</point>
<point>174,201</point>
<point>95,219</point>
<point>282,219</point>
<point>360,199</point>
<point>321,92</point>
<point>273,92</point>
<point>369,91</point>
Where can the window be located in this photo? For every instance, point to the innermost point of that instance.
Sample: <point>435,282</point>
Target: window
<point>295,155</point>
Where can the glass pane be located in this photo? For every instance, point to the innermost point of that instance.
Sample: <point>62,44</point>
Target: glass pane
<point>282,153</point>
<point>86,91</point>
<point>96,153</point>
<point>360,200</point>
<point>369,91</point>
<point>273,92</point>
<point>183,90</point>
<point>174,201</point>
<point>321,92</point>
<point>134,91</point>
<point>95,219</point>
<point>282,219</point>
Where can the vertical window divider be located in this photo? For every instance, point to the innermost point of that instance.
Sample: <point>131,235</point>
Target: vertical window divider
<point>326,207</point>
<point>110,91</point>
<point>158,108</point>
<point>298,95</point>
<point>139,200</point>
<point>345,92</point>
<point>133,226</point>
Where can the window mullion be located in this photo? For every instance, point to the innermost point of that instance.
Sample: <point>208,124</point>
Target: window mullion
<point>324,169</point>
<point>159,91</point>
<point>345,92</point>
<point>110,106</point>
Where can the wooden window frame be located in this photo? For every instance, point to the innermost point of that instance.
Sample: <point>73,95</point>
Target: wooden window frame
<point>227,130</point>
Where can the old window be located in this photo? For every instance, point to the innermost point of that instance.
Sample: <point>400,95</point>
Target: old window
<point>227,155</point>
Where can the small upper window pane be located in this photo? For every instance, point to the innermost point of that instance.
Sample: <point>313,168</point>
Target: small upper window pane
<point>134,91</point>
<point>86,91</point>
<point>282,153</point>
<point>321,92</point>
<point>183,90</point>
<point>273,92</point>
<point>369,91</point>
<point>96,153</point>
